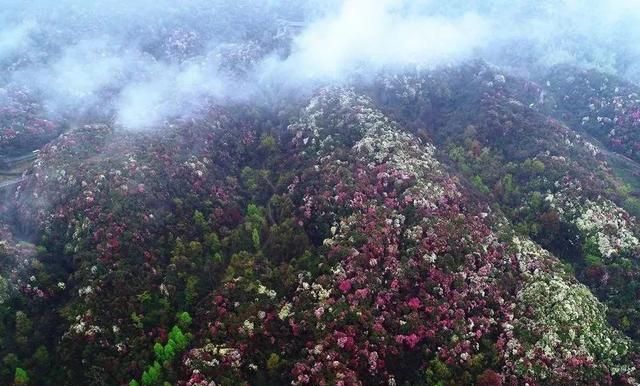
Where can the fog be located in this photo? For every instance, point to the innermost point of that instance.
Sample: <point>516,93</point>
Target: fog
<point>140,63</point>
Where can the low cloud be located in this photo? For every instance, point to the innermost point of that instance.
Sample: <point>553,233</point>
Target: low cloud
<point>371,36</point>
<point>141,63</point>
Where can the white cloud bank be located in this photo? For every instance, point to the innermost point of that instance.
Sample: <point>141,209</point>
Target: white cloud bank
<point>145,61</point>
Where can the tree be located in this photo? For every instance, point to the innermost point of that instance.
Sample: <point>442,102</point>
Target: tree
<point>184,319</point>
<point>23,328</point>
<point>241,264</point>
<point>255,237</point>
<point>286,241</point>
<point>169,350</point>
<point>21,377</point>
<point>200,221</point>
<point>41,357</point>
<point>255,220</point>
<point>533,166</point>
<point>456,153</point>
<point>479,184</point>
<point>159,351</point>
<point>212,242</point>
<point>179,338</point>
<point>4,290</point>
<point>489,378</point>
<point>195,250</point>
<point>268,143</point>
<point>273,362</point>
<point>592,255</point>
<point>191,290</point>
<point>437,372</point>
<point>152,375</point>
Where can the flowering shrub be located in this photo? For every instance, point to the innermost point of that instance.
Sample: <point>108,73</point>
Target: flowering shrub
<point>426,280</point>
<point>512,153</point>
<point>608,225</point>
<point>563,332</point>
<point>604,106</point>
<point>361,237</point>
<point>23,126</point>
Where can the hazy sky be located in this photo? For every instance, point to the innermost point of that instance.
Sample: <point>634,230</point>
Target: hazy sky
<point>146,60</point>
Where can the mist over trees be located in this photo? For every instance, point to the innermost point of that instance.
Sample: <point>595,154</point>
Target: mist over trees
<point>143,62</point>
<point>300,193</point>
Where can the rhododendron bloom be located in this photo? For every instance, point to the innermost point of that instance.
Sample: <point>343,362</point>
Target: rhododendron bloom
<point>345,286</point>
<point>414,304</point>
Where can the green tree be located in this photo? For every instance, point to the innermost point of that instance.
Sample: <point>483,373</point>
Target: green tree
<point>153,375</point>
<point>457,154</point>
<point>195,250</point>
<point>255,237</point>
<point>287,241</point>
<point>268,143</point>
<point>241,264</point>
<point>508,185</point>
<point>200,221</point>
<point>250,178</point>
<point>479,184</point>
<point>137,320</point>
<point>184,319</point>
<point>273,362</point>
<point>256,181</point>
<point>41,357</point>
<point>533,166</point>
<point>159,351</point>
<point>438,373</point>
<point>170,350</point>
<point>191,290</point>
<point>592,255</point>
<point>255,215</point>
<point>212,242</point>
<point>23,329</point>
<point>537,201</point>
<point>180,339</point>
<point>21,377</point>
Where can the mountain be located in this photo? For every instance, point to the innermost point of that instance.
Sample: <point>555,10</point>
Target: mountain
<point>454,226</point>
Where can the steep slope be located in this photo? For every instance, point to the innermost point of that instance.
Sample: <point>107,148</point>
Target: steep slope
<point>23,123</point>
<point>603,105</point>
<point>327,243</point>
<point>418,288</point>
<point>549,180</point>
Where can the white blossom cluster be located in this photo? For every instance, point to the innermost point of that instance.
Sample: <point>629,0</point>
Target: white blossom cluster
<point>285,311</point>
<point>386,143</point>
<point>82,327</point>
<point>557,319</point>
<point>566,321</point>
<point>608,224</point>
<point>407,88</point>
<point>217,353</point>
<point>335,111</point>
<point>4,290</point>
<point>532,258</point>
<point>85,291</point>
<point>262,290</point>
<point>198,167</point>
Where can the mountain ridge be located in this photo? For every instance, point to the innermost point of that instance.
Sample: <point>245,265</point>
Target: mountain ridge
<point>436,227</point>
